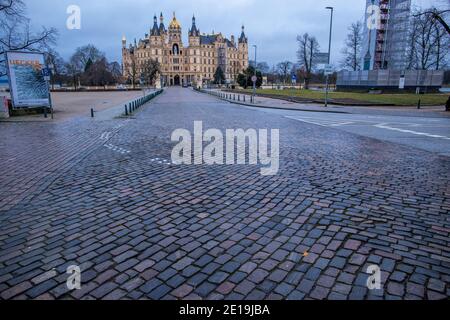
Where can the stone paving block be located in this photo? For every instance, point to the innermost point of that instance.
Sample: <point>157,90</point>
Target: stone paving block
<point>157,231</point>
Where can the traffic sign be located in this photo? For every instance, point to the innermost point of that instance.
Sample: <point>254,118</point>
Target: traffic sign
<point>328,70</point>
<point>46,72</point>
<point>321,58</point>
<point>401,84</point>
<point>294,79</point>
<point>254,78</point>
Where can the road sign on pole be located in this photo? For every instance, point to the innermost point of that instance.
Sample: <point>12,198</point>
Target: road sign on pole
<point>46,73</point>
<point>401,84</point>
<point>321,58</point>
<point>328,70</point>
<point>294,79</point>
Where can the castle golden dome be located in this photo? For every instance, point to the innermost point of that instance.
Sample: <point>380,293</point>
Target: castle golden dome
<point>174,24</point>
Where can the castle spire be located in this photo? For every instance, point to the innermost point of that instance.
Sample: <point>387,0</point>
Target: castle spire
<point>243,38</point>
<point>155,29</point>
<point>194,32</point>
<point>162,27</point>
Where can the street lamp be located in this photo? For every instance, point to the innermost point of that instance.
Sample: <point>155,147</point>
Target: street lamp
<point>255,77</point>
<point>329,54</point>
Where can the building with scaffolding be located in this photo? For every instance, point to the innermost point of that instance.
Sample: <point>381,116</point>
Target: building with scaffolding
<point>386,34</point>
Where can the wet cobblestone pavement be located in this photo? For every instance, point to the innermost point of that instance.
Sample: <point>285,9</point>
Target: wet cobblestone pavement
<point>103,195</point>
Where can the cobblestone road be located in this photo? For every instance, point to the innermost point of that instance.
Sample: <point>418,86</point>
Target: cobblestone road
<point>103,195</point>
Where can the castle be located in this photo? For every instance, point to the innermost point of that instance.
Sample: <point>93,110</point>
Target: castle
<point>193,65</point>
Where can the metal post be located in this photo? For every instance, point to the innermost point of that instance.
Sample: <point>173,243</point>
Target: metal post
<point>418,104</point>
<point>92,112</point>
<point>51,103</point>
<point>254,83</point>
<point>126,110</point>
<point>329,54</point>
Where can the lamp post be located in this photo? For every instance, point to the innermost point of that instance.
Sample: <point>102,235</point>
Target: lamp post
<point>255,77</point>
<point>329,54</point>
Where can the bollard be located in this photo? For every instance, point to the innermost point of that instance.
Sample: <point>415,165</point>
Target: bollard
<point>418,104</point>
<point>239,97</point>
<point>447,105</point>
<point>45,112</point>
<point>92,112</point>
<point>244,98</point>
<point>126,110</point>
<point>234,97</point>
<point>129,108</point>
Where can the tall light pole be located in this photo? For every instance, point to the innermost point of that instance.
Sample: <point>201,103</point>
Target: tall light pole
<point>255,77</point>
<point>329,54</point>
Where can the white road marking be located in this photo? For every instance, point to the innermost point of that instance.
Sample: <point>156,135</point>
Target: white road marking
<point>162,161</point>
<point>385,126</point>
<point>105,135</point>
<point>323,123</point>
<point>117,149</point>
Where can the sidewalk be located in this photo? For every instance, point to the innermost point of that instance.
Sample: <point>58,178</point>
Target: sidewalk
<point>263,102</point>
<point>70,105</point>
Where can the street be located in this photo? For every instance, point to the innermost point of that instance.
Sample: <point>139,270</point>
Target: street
<point>352,191</point>
<point>426,133</point>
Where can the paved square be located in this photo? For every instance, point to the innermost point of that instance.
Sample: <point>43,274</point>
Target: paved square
<point>103,195</point>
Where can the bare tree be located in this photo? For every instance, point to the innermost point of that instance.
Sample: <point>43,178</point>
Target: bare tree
<point>442,46</point>
<point>86,54</point>
<point>284,70</point>
<point>429,44</point>
<point>98,74</point>
<point>150,70</point>
<point>73,73</point>
<point>116,70</point>
<point>353,47</point>
<point>58,66</point>
<point>263,67</point>
<point>308,49</point>
<point>131,72</point>
<point>11,8</point>
<point>437,15</point>
<point>15,32</point>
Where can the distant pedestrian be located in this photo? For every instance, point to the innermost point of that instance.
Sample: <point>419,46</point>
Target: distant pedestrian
<point>447,105</point>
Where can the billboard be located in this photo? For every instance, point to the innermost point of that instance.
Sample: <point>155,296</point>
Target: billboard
<point>26,80</point>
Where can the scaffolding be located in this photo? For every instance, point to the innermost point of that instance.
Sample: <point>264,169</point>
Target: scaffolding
<point>387,45</point>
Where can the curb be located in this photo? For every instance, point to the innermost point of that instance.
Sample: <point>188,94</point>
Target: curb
<point>270,107</point>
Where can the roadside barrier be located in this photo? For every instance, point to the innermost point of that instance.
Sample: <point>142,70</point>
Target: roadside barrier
<point>139,102</point>
<point>226,96</point>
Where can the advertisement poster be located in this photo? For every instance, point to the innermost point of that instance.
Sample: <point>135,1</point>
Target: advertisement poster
<point>27,83</point>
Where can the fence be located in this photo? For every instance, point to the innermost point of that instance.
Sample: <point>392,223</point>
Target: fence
<point>391,78</point>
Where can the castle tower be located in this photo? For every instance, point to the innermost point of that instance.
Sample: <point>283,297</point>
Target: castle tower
<point>155,34</point>
<point>194,34</point>
<point>175,31</point>
<point>243,48</point>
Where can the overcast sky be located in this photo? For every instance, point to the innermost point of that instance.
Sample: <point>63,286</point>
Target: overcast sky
<point>270,24</point>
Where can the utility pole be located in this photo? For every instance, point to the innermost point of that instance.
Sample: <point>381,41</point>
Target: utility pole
<point>329,55</point>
